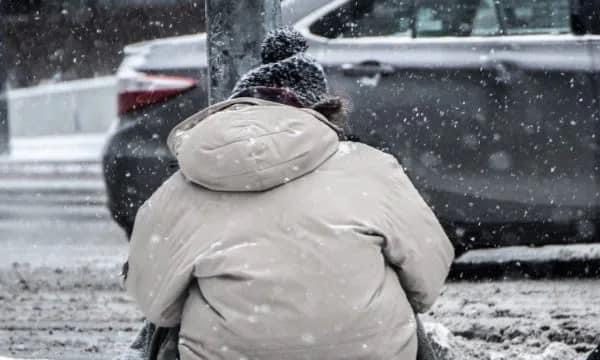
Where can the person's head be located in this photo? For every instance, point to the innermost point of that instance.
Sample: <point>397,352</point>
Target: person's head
<point>290,77</point>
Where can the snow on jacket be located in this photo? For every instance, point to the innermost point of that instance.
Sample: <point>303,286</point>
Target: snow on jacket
<point>277,241</point>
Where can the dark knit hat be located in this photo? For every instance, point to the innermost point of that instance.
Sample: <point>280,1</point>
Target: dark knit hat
<point>285,65</point>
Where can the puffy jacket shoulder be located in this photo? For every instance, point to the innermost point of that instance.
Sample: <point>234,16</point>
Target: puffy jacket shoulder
<point>415,243</point>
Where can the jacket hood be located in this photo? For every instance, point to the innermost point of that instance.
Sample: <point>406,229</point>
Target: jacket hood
<point>249,144</point>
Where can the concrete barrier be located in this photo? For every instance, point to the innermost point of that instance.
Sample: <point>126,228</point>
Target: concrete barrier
<point>74,107</point>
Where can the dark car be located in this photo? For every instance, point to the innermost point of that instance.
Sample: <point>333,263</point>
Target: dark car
<point>492,106</point>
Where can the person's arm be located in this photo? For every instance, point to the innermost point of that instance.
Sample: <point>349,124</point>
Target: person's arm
<point>160,265</point>
<point>415,243</point>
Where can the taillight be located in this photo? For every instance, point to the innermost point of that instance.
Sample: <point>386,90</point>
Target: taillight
<point>138,90</point>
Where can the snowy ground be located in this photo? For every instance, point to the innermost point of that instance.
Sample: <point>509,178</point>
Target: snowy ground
<point>83,313</point>
<point>61,298</point>
<point>519,318</point>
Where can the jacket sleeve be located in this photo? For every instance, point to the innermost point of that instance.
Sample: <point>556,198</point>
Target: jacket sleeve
<point>160,265</point>
<point>415,244</point>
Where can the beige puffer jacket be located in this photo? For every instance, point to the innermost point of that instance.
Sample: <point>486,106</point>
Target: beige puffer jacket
<point>277,241</point>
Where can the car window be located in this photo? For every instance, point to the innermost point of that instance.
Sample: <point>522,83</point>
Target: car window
<point>486,20</point>
<point>536,16</point>
<point>434,18</point>
<point>362,18</point>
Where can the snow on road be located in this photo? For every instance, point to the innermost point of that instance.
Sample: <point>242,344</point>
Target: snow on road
<point>530,254</point>
<point>520,319</point>
<point>67,148</point>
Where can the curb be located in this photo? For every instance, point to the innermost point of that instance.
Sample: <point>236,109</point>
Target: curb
<point>516,270</point>
<point>547,262</point>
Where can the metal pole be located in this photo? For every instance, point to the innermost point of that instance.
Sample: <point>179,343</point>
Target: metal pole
<point>235,30</point>
<point>4,130</point>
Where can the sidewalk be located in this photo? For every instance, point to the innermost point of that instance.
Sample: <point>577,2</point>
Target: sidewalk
<point>545,262</point>
<point>53,177</point>
<point>53,162</point>
<point>56,148</point>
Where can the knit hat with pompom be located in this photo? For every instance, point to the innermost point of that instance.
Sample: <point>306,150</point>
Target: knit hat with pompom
<point>285,65</point>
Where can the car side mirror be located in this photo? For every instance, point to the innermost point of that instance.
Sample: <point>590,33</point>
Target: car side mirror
<point>585,17</point>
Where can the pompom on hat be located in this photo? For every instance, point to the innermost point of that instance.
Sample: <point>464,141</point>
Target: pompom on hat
<point>281,44</point>
<point>285,65</point>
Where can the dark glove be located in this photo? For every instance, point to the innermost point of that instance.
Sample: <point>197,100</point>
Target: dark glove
<point>595,355</point>
<point>424,350</point>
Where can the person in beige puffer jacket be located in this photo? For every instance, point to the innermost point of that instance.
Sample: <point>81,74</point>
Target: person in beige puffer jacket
<point>277,240</point>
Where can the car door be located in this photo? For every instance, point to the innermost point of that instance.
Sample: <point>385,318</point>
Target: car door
<point>550,101</point>
<point>422,85</point>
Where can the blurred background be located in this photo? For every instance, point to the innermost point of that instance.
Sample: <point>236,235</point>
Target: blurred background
<point>51,41</point>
